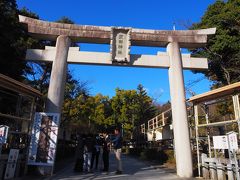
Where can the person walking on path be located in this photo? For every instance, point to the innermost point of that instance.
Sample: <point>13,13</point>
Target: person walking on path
<point>88,149</point>
<point>106,150</point>
<point>96,152</point>
<point>79,155</point>
<point>118,149</point>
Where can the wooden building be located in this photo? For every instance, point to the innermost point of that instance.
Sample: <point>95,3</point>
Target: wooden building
<point>18,103</point>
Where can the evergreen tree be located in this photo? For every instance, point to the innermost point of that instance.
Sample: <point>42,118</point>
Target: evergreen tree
<point>132,108</point>
<point>147,109</point>
<point>223,48</point>
<point>14,40</point>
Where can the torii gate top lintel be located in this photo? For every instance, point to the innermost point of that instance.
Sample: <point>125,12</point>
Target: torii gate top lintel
<point>102,34</point>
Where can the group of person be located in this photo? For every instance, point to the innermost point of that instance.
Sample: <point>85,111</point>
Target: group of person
<point>90,148</point>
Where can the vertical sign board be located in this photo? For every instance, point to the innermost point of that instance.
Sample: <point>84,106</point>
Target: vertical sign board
<point>44,139</point>
<point>120,45</point>
<point>233,141</point>
<point>11,164</point>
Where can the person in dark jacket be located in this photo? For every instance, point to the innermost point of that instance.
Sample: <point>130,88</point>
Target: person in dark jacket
<point>118,149</point>
<point>96,151</point>
<point>79,154</point>
<point>106,150</point>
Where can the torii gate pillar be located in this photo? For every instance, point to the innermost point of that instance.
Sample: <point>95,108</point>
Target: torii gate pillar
<point>58,75</point>
<point>179,112</point>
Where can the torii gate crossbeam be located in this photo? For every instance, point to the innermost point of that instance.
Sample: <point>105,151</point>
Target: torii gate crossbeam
<point>173,40</point>
<point>161,60</point>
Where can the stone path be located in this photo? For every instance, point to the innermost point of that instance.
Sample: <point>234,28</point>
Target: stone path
<point>133,169</point>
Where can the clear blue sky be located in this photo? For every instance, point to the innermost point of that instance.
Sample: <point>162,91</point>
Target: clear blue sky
<point>147,14</point>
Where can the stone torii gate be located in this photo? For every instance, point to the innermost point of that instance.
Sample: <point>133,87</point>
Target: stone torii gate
<point>120,39</point>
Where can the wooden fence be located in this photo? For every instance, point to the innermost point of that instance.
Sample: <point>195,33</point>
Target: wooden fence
<point>218,168</point>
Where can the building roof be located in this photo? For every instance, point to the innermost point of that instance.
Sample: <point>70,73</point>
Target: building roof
<point>16,86</point>
<point>216,93</point>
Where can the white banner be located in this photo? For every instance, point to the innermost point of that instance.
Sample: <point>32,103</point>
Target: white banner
<point>44,139</point>
<point>3,134</point>
<point>11,164</point>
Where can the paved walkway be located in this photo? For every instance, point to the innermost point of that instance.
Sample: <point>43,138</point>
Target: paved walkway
<point>132,169</point>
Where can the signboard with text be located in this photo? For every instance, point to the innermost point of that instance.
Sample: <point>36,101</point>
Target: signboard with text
<point>233,141</point>
<point>44,139</point>
<point>228,141</point>
<point>120,45</point>
<point>220,142</point>
<point>11,164</point>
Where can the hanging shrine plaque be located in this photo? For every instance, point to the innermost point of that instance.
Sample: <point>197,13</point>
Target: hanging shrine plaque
<point>120,45</point>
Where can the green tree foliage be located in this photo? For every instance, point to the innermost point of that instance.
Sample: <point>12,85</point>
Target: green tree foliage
<point>14,40</point>
<point>65,20</point>
<point>125,109</point>
<point>131,108</point>
<point>93,113</point>
<point>146,108</point>
<point>76,95</point>
<point>88,113</point>
<point>14,43</point>
<point>223,48</point>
